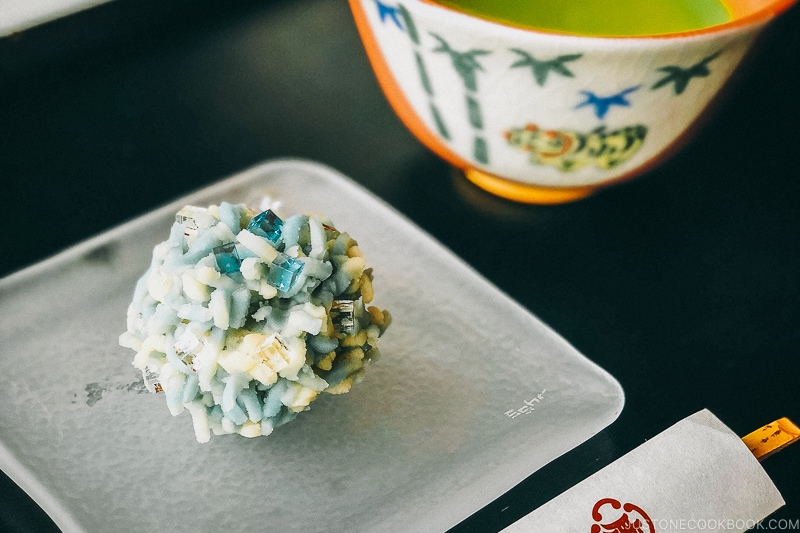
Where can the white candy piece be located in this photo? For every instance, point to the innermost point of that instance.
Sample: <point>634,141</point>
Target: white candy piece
<point>206,274</point>
<point>261,247</point>
<point>159,285</point>
<point>252,268</point>
<point>220,307</point>
<point>202,432</point>
<point>194,288</point>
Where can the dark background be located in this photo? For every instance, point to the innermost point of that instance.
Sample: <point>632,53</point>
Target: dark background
<point>684,284</point>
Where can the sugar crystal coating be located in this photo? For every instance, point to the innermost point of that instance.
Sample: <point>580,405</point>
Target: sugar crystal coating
<point>227,258</point>
<point>151,382</point>
<point>283,272</point>
<point>245,332</point>
<point>266,224</point>
<point>189,217</point>
<point>343,316</point>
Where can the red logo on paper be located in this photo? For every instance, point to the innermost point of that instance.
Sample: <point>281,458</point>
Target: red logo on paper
<point>627,518</point>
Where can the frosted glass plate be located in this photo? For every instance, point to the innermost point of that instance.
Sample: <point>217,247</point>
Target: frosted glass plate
<point>438,429</point>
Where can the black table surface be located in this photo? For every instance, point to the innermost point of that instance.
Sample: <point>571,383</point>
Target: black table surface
<point>684,284</point>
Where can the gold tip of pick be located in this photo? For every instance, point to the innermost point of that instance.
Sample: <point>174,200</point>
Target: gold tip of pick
<point>772,438</point>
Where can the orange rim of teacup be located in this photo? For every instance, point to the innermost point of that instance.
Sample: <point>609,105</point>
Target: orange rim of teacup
<point>743,13</point>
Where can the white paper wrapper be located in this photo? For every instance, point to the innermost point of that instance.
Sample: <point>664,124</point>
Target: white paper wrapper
<point>696,476</point>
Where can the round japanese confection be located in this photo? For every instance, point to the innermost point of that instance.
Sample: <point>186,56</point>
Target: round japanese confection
<point>244,318</point>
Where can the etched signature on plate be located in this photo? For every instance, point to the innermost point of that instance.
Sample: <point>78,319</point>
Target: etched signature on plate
<point>94,391</point>
<point>528,406</point>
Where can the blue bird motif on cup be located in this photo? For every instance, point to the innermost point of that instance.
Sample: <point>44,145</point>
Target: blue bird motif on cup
<point>389,11</point>
<point>602,104</point>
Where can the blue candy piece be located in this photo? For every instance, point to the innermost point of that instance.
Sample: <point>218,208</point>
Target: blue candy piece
<point>283,417</point>
<point>251,404</point>
<point>227,258</point>
<point>266,224</point>
<point>272,400</point>
<point>320,344</point>
<point>236,415</point>
<point>190,389</point>
<point>230,215</point>
<point>283,272</point>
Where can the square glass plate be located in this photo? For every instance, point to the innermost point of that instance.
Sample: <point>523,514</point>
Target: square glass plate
<point>471,396</point>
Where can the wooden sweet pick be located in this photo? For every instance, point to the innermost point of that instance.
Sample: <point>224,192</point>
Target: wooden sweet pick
<point>772,438</point>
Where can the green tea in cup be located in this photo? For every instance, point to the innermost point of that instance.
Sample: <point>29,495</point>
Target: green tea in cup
<point>599,17</point>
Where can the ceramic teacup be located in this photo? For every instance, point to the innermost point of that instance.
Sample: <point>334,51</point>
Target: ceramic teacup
<point>543,117</point>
